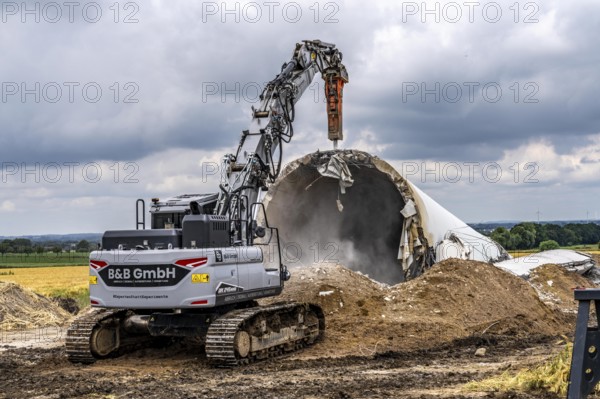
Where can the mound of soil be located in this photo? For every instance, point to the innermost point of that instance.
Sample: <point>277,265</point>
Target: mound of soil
<point>452,300</point>
<point>477,297</point>
<point>22,308</point>
<point>555,285</point>
<point>68,304</point>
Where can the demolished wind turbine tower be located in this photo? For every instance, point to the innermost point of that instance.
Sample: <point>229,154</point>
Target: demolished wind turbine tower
<point>355,208</point>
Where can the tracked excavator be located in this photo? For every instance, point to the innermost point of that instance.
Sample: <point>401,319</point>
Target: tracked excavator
<point>198,271</point>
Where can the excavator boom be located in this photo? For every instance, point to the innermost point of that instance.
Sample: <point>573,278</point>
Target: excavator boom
<point>257,161</point>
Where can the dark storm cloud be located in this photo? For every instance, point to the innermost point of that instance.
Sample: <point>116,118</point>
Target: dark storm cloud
<point>172,54</point>
<point>166,62</point>
<point>166,59</point>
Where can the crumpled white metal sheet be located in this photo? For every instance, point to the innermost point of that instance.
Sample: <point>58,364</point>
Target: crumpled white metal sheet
<point>571,260</point>
<point>337,168</point>
<point>451,237</point>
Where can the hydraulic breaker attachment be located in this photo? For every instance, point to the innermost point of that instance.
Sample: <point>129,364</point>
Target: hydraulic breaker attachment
<point>335,78</point>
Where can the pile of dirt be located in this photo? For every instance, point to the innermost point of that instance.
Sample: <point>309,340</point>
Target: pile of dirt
<point>478,297</point>
<point>354,306</point>
<point>452,300</point>
<point>22,308</point>
<point>68,304</point>
<point>555,285</point>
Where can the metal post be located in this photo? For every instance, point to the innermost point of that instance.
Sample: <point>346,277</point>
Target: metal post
<point>139,222</point>
<point>585,363</point>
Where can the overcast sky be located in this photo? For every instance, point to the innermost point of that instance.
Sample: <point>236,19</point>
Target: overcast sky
<point>490,107</point>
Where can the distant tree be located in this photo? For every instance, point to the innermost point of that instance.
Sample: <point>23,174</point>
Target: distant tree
<point>3,248</point>
<point>39,249</point>
<point>539,234</point>
<point>523,235</point>
<point>21,243</point>
<point>502,237</point>
<point>8,246</point>
<point>588,233</point>
<point>550,232</point>
<point>548,245</point>
<point>530,235</point>
<point>56,249</point>
<point>529,226</point>
<point>83,246</point>
<point>568,236</point>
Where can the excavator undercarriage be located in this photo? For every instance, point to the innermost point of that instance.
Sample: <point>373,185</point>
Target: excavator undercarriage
<point>239,336</point>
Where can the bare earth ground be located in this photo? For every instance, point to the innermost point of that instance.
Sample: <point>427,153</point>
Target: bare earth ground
<point>414,340</point>
<point>181,371</point>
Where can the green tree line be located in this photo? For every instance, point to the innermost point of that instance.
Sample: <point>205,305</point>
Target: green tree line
<point>26,246</point>
<point>532,235</point>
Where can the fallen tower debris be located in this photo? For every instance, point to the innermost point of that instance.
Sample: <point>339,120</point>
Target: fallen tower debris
<point>351,207</point>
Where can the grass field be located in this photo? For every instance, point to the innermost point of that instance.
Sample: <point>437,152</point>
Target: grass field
<point>65,282</point>
<point>45,259</point>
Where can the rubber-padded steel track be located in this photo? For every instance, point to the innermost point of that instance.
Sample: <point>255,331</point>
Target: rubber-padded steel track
<point>79,333</point>
<point>220,339</point>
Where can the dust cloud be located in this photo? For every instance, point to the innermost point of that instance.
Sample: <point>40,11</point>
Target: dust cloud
<point>364,237</point>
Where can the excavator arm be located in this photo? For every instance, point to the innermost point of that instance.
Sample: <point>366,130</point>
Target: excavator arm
<point>257,161</point>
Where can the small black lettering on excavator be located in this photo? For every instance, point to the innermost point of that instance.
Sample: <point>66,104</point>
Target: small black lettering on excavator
<point>225,288</point>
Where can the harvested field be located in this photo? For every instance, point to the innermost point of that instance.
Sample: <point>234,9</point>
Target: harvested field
<point>49,280</point>
<point>67,285</point>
